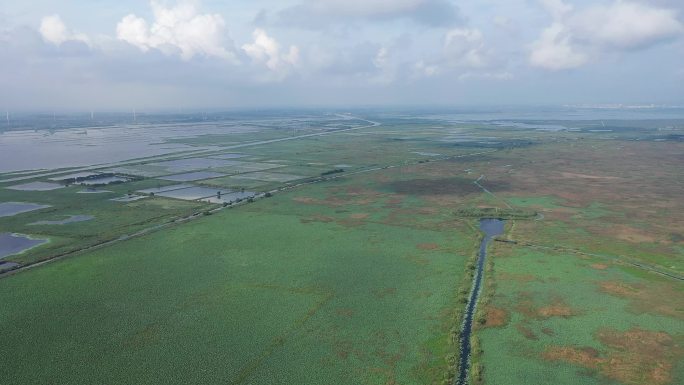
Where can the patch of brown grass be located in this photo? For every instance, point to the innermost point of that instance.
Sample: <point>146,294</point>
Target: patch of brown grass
<point>517,277</point>
<point>382,293</point>
<point>427,246</point>
<point>557,308</point>
<point>653,298</point>
<point>444,186</point>
<point>496,317</point>
<point>317,218</point>
<point>636,356</point>
<point>599,266</point>
<point>359,216</point>
<point>344,312</point>
<point>527,332</point>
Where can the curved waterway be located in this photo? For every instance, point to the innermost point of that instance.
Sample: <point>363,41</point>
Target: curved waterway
<point>491,228</point>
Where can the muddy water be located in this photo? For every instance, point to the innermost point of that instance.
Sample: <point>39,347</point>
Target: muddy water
<point>491,228</point>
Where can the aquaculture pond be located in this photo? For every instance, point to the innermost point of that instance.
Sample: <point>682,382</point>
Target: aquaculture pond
<point>193,176</point>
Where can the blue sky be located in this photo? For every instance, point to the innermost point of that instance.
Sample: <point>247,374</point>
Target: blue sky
<point>104,54</point>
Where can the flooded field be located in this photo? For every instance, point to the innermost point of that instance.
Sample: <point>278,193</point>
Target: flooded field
<point>11,244</point>
<point>193,176</point>
<point>192,164</point>
<point>36,186</point>
<point>8,209</point>
<point>157,190</point>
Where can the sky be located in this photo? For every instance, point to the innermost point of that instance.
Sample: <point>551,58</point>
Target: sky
<point>151,55</point>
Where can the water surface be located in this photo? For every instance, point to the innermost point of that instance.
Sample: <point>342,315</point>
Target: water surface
<point>8,209</point>
<point>11,244</point>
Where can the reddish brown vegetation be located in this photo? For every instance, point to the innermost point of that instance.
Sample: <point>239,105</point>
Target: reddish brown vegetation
<point>558,308</point>
<point>654,298</point>
<point>427,246</point>
<point>496,317</point>
<point>636,356</point>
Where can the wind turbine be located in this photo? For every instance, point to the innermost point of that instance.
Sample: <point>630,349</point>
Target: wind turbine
<point>7,116</point>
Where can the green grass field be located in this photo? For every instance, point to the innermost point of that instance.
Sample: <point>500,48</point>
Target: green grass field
<point>244,296</point>
<point>360,279</point>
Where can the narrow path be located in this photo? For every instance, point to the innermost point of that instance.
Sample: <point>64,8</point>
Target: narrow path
<point>478,184</point>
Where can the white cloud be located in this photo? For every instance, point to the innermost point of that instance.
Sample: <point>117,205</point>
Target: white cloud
<point>53,30</point>
<point>178,29</point>
<point>465,55</point>
<point>266,50</point>
<point>465,47</point>
<point>577,34</point>
<point>556,8</point>
<point>553,50</point>
<point>624,24</point>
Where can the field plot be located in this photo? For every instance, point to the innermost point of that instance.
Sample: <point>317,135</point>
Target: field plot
<point>245,167</point>
<point>244,296</point>
<point>191,164</point>
<point>563,319</point>
<point>192,176</point>
<point>236,182</point>
<point>270,177</point>
<point>111,219</point>
<point>157,190</point>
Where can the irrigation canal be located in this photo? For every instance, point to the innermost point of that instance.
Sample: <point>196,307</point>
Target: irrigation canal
<point>491,228</point>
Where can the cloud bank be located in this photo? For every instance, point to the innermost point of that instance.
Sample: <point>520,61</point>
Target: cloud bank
<point>168,52</point>
<point>578,34</point>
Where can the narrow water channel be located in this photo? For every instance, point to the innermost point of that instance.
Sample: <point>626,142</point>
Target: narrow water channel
<point>491,228</point>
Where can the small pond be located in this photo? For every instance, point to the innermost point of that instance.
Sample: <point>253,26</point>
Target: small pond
<point>8,209</point>
<point>11,244</point>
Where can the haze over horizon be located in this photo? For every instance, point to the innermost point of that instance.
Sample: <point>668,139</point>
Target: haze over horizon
<point>245,54</point>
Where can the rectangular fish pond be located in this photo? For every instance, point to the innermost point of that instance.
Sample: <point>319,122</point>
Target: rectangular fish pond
<point>193,176</point>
